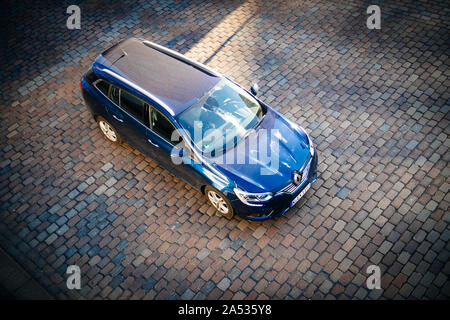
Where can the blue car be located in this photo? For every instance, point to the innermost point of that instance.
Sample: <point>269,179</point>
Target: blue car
<point>245,157</point>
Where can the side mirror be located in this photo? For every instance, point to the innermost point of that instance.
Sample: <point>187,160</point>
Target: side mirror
<point>254,89</point>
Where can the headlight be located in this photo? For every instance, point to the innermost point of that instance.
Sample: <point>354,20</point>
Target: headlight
<point>252,199</point>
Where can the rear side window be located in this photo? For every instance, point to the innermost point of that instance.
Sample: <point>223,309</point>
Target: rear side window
<point>114,94</point>
<point>103,86</point>
<point>132,105</point>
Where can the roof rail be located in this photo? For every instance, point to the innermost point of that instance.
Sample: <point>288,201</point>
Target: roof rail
<point>139,89</point>
<point>183,58</point>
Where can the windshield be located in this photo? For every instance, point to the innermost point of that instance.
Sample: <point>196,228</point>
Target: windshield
<point>221,118</point>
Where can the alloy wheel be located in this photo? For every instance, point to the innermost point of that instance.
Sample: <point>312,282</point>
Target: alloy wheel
<point>107,130</point>
<point>218,202</point>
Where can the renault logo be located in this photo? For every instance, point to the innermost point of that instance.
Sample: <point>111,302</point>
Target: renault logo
<point>297,178</point>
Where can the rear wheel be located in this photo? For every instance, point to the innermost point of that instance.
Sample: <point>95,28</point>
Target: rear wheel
<point>218,200</point>
<point>108,130</point>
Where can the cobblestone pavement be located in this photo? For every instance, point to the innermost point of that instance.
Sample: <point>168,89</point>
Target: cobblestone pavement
<point>375,102</point>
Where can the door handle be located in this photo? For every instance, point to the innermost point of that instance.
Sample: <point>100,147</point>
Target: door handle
<point>117,118</point>
<point>151,142</point>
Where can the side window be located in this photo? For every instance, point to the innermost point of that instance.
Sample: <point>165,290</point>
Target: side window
<point>103,86</point>
<point>162,126</point>
<point>132,105</point>
<point>114,94</point>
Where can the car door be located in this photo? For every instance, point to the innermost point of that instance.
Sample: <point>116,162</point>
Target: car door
<point>130,118</point>
<point>160,136</point>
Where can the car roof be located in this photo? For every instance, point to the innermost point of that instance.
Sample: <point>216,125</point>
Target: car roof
<point>171,78</point>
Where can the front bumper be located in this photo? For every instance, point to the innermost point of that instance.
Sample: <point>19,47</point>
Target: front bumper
<point>279,204</point>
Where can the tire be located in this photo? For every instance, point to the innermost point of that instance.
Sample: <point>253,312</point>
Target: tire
<point>108,131</point>
<point>218,200</point>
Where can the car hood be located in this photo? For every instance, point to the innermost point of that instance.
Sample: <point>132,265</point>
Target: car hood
<point>256,173</point>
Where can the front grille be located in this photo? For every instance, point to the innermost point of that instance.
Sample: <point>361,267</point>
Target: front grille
<point>290,188</point>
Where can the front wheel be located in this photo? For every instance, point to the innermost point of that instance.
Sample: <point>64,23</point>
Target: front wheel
<point>218,200</point>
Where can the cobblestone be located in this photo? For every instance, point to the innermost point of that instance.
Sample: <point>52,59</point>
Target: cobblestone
<point>376,103</point>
